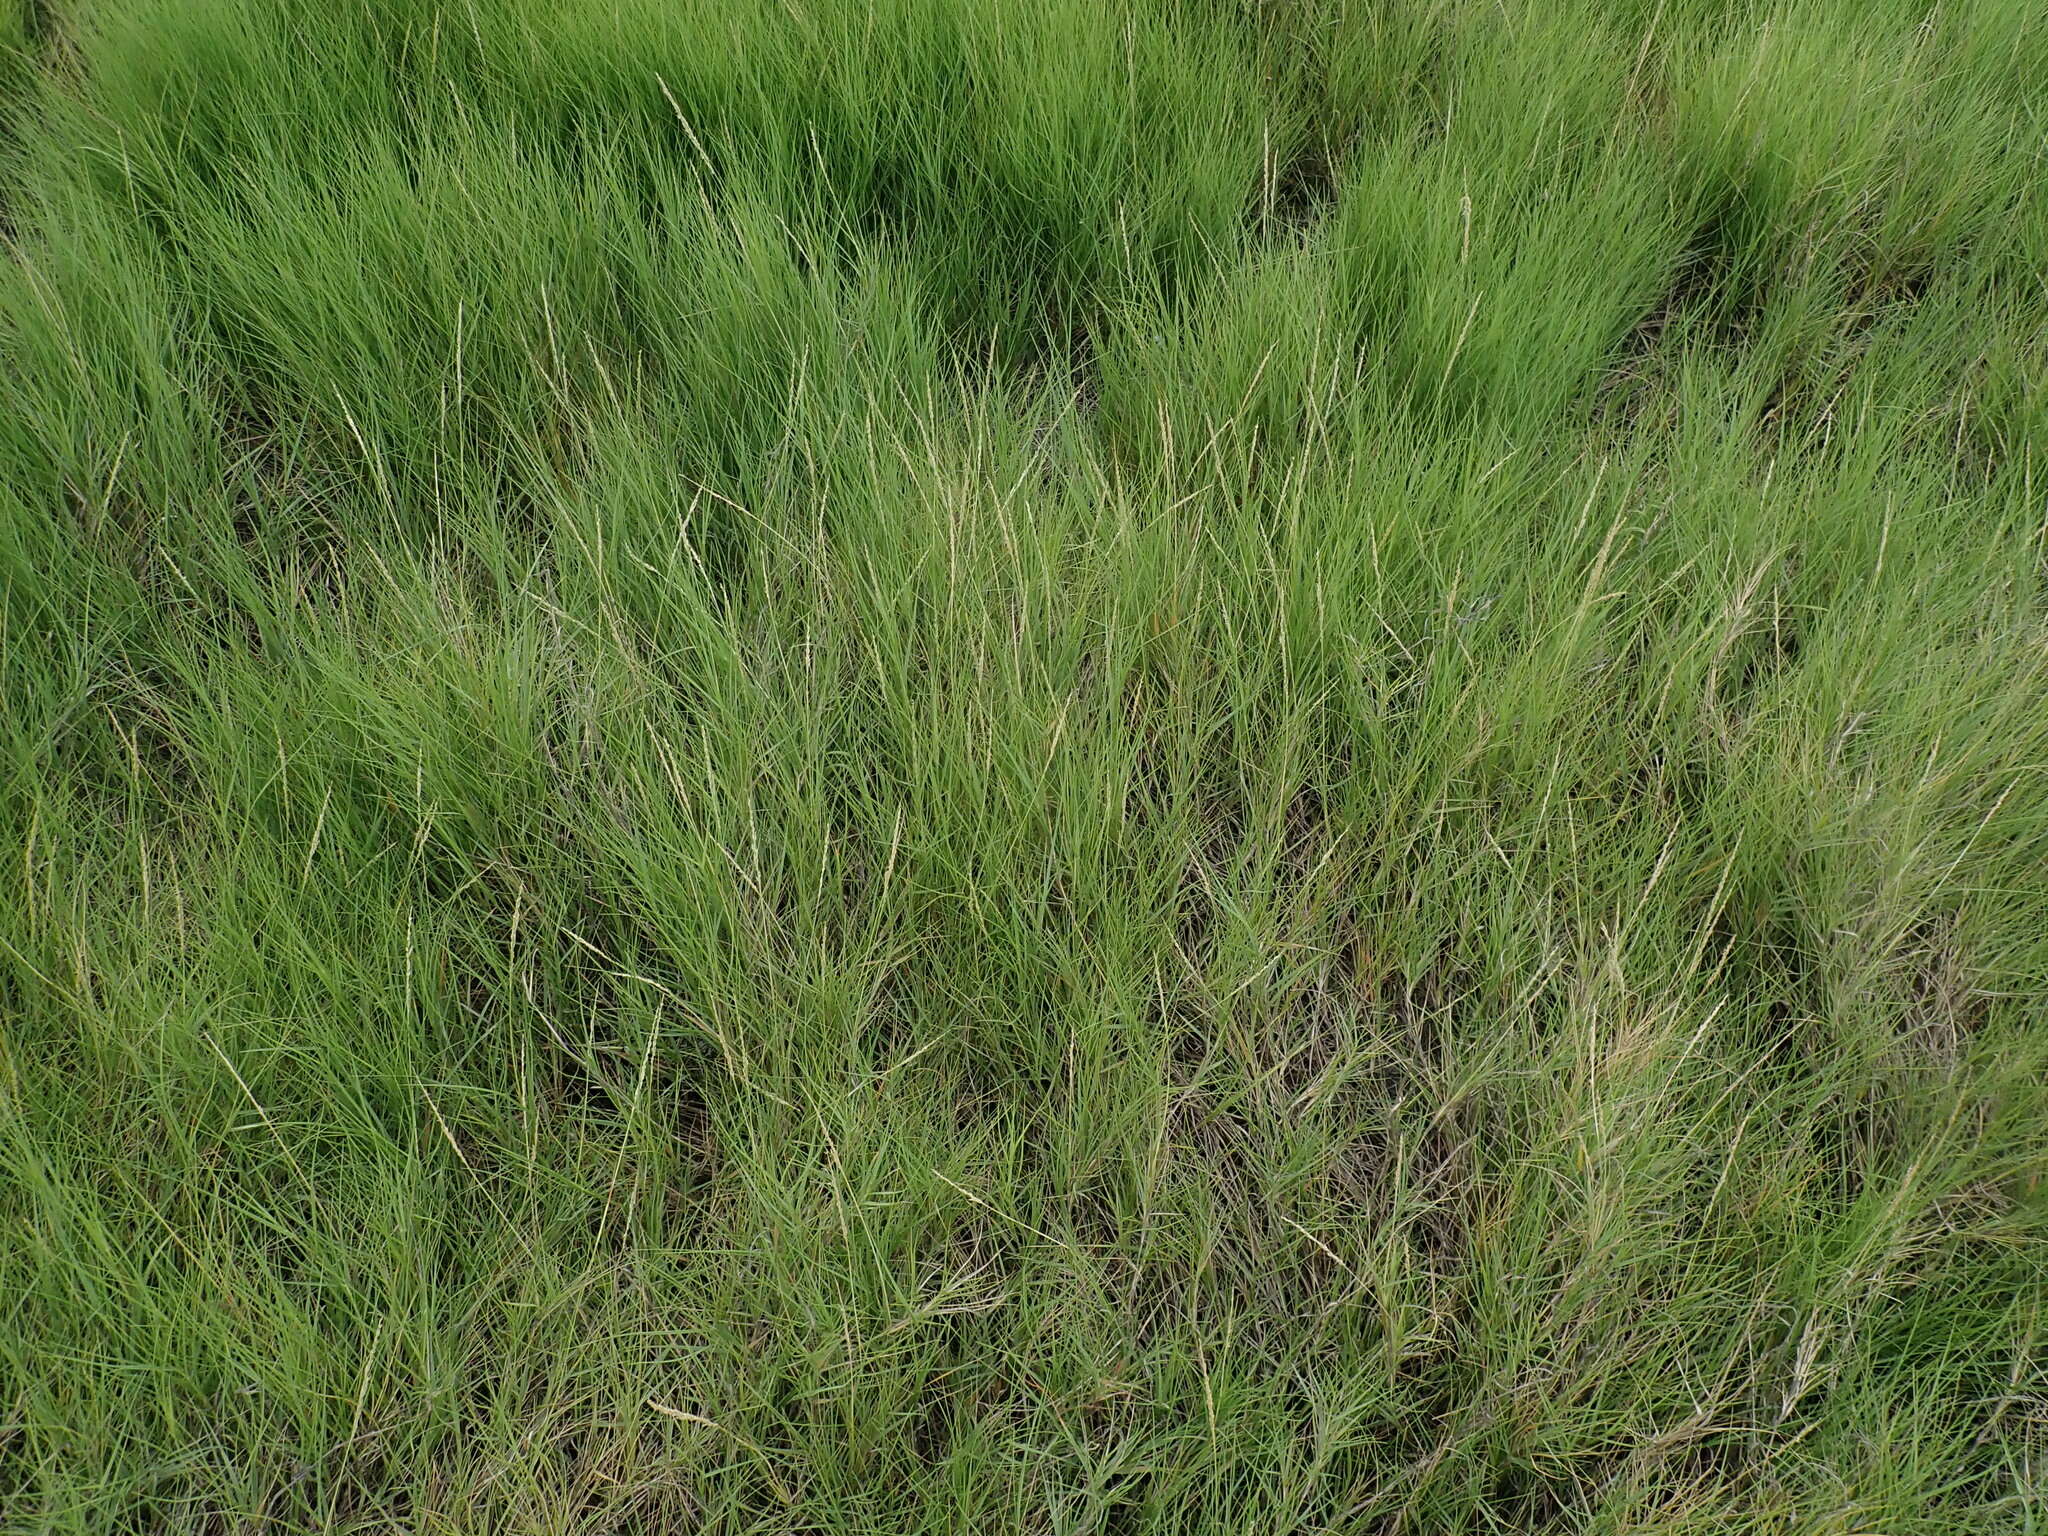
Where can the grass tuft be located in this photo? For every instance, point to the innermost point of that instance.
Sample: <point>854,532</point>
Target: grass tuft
<point>1140,766</point>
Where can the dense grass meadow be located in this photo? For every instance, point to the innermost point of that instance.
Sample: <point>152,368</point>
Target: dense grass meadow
<point>1084,767</point>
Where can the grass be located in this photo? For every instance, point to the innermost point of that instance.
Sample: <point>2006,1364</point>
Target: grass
<point>1098,767</point>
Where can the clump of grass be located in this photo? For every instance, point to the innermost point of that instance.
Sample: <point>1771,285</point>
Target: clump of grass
<point>895,766</point>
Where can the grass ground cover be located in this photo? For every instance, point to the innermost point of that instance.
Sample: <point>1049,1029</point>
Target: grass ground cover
<point>1101,766</point>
